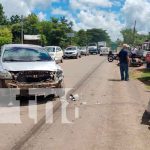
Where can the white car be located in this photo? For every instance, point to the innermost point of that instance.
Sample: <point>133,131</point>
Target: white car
<point>104,50</point>
<point>56,53</point>
<point>28,66</point>
<point>72,52</point>
<point>84,51</point>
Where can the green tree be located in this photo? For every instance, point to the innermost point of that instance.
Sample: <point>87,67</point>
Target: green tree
<point>3,19</point>
<point>55,31</point>
<point>140,39</point>
<point>128,36</point>
<point>16,32</point>
<point>96,35</point>
<point>133,38</point>
<point>31,24</point>
<point>45,28</point>
<point>15,19</point>
<point>81,38</point>
<point>5,36</point>
<point>43,40</point>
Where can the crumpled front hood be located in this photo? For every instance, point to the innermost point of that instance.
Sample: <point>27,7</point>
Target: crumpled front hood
<point>30,66</point>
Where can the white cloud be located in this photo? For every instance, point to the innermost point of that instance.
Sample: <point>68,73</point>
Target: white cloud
<point>138,10</point>
<point>14,7</point>
<point>41,16</point>
<point>59,11</point>
<point>88,13</point>
<point>100,19</point>
<point>39,3</point>
<point>24,7</point>
<point>89,16</point>
<point>83,4</point>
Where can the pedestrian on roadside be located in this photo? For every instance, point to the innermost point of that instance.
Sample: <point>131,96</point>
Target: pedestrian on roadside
<point>124,63</point>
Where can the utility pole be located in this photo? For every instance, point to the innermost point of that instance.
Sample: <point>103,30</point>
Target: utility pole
<point>134,30</point>
<point>22,35</point>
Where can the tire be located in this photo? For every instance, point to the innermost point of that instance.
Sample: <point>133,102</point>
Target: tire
<point>2,84</point>
<point>110,59</point>
<point>61,60</point>
<point>76,57</point>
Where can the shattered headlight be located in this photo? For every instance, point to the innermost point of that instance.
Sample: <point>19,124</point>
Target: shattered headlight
<point>5,75</point>
<point>59,73</point>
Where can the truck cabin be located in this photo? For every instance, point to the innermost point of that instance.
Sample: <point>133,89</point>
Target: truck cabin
<point>146,46</point>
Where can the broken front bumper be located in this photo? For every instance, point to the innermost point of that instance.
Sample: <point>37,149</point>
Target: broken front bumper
<point>10,84</point>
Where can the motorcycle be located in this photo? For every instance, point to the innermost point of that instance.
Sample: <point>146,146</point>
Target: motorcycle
<point>112,57</point>
<point>135,61</point>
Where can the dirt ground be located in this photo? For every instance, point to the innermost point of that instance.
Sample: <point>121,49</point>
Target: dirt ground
<point>11,133</point>
<point>111,117</point>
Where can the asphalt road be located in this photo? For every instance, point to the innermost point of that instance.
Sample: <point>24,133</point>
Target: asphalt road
<point>75,71</point>
<point>110,114</point>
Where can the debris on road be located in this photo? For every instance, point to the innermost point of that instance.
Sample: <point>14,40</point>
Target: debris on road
<point>74,97</point>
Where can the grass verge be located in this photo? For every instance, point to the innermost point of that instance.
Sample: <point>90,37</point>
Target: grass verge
<point>142,75</point>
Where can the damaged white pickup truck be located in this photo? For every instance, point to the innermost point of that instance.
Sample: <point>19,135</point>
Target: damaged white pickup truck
<point>28,66</point>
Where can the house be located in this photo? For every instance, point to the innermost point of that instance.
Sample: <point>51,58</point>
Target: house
<point>32,39</point>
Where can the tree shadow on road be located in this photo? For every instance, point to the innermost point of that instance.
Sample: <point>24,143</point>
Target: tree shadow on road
<point>114,80</point>
<point>146,119</point>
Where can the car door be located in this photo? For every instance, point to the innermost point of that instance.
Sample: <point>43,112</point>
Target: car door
<point>60,53</point>
<point>57,53</point>
<point>78,50</point>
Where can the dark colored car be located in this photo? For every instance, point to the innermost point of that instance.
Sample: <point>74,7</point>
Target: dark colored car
<point>93,50</point>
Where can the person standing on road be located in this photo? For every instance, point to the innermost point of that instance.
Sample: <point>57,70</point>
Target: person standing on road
<point>124,63</point>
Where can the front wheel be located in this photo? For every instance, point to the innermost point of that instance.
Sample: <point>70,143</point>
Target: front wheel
<point>61,60</point>
<point>110,59</point>
<point>2,84</point>
<point>76,57</point>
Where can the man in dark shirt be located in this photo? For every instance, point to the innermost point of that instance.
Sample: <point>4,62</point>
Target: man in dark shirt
<point>124,63</point>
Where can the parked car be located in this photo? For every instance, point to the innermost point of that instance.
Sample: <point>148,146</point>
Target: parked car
<point>28,66</point>
<point>104,51</point>
<point>148,60</point>
<point>84,51</point>
<point>93,50</point>
<point>55,52</point>
<point>72,52</point>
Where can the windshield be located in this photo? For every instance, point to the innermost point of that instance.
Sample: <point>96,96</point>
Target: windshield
<point>23,54</point>
<point>83,48</point>
<point>92,44</point>
<point>50,49</point>
<point>71,48</point>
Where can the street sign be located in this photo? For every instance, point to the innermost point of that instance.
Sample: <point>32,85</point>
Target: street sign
<point>70,35</point>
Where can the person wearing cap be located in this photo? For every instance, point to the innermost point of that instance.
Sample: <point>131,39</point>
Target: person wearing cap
<point>124,63</point>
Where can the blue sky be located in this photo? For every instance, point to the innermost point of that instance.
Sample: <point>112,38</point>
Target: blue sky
<point>111,15</point>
